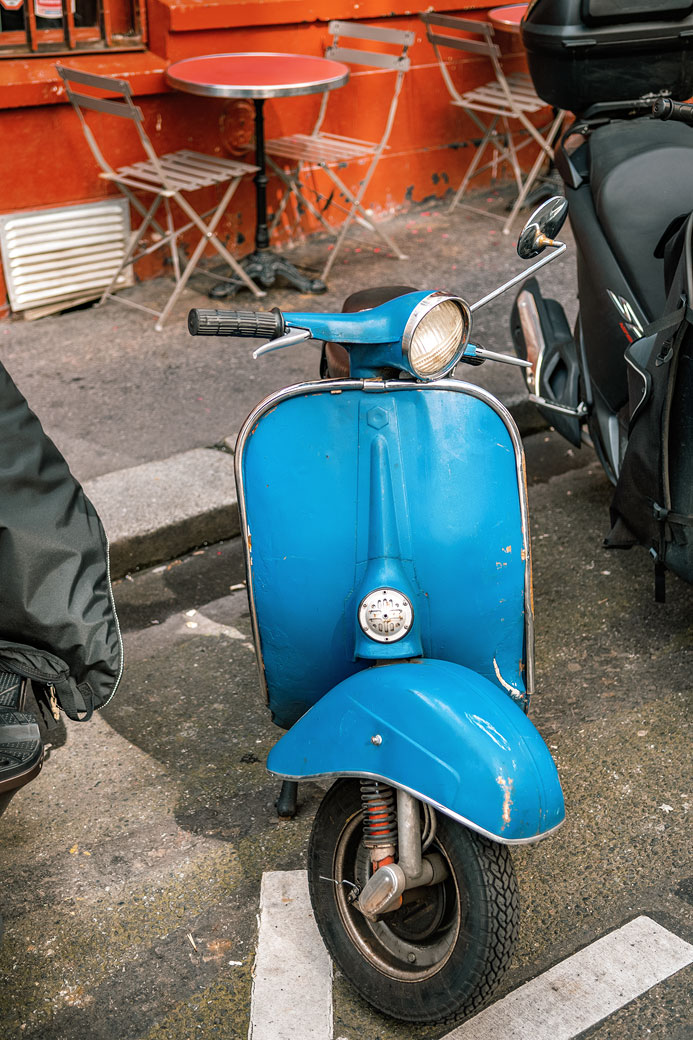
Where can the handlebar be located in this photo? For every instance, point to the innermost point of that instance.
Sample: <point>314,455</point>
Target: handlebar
<point>252,324</point>
<point>679,111</point>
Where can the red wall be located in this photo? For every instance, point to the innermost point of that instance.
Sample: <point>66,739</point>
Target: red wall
<point>46,162</point>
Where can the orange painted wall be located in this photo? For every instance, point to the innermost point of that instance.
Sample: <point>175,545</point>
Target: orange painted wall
<point>45,160</point>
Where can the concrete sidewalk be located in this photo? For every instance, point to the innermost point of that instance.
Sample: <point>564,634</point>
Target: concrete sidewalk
<point>147,420</point>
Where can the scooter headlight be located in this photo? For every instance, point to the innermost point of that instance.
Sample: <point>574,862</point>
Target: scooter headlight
<point>436,334</point>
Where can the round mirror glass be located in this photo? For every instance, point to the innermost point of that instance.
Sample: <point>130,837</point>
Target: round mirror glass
<point>545,223</point>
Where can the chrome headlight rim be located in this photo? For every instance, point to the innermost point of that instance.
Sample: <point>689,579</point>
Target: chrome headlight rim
<point>422,309</point>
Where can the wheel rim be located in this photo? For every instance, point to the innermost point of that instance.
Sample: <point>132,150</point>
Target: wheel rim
<point>410,944</point>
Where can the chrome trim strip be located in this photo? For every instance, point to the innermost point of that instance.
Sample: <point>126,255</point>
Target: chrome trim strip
<point>614,445</point>
<point>266,405</point>
<point>328,386</point>
<point>535,345</point>
<point>645,388</point>
<point>430,801</point>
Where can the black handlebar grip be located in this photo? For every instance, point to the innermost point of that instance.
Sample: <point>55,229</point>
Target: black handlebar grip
<point>679,111</point>
<point>253,324</point>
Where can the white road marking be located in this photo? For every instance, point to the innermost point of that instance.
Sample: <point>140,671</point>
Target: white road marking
<point>585,988</point>
<point>292,988</point>
<point>292,980</point>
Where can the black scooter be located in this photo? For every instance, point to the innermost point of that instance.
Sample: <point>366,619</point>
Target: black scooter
<point>622,380</point>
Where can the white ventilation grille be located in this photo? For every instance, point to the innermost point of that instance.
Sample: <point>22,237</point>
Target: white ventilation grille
<point>56,257</point>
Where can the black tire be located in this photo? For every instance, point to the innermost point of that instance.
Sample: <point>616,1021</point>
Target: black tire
<point>461,932</point>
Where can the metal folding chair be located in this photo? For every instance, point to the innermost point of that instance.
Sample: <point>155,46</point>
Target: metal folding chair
<point>509,100</point>
<point>328,151</point>
<point>167,177</point>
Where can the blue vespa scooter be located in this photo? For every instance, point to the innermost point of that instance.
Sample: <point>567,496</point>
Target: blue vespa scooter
<point>387,546</point>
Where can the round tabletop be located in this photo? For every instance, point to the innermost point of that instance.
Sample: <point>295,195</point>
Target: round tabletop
<point>508,18</point>
<point>256,75</point>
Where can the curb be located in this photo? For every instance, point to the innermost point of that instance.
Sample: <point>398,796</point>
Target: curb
<point>159,510</point>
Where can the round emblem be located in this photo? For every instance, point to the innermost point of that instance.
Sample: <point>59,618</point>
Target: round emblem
<point>386,615</point>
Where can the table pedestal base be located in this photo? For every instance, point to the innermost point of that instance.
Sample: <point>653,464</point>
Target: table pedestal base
<point>262,267</point>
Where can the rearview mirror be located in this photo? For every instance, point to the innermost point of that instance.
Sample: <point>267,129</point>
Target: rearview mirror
<point>542,227</point>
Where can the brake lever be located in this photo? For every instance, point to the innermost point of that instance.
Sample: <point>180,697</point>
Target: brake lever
<point>289,339</point>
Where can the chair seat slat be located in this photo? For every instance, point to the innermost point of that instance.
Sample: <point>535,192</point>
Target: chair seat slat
<point>493,94</point>
<point>320,148</point>
<point>228,167</point>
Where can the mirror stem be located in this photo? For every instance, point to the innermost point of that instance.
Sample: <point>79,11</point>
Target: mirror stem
<point>560,248</point>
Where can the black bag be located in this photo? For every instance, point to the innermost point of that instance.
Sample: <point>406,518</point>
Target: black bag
<point>653,498</point>
<point>58,625</point>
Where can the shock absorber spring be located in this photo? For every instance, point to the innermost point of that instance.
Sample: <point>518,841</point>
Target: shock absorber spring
<point>379,820</point>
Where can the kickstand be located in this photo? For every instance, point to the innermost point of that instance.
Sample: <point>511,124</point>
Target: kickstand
<point>660,576</point>
<point>286,802</point>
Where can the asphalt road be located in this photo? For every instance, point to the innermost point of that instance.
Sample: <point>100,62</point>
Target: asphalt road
<point>133,864</point>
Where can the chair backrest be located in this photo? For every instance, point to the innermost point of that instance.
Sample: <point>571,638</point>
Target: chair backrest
<point>395,59</point>
<point>400,39</point>
<point>461,34</point>
<point>121,106</point>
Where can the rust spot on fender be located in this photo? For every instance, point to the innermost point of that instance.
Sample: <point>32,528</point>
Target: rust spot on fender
<point>507,786</point>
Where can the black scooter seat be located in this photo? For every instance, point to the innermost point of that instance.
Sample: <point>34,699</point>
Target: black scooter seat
<point>641,178</point>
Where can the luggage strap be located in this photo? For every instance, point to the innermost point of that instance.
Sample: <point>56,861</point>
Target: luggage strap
<point>661,513</point>
<point>76,701</point>
<point>681,317</point>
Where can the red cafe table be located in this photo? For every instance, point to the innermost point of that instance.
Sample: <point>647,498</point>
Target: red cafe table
<point>507,18</point>
<point>259,76</point>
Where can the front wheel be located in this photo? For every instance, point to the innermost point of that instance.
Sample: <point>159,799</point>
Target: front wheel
<point>440,956</point>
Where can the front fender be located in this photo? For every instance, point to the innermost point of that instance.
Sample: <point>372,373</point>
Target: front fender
<point>440,731</point>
